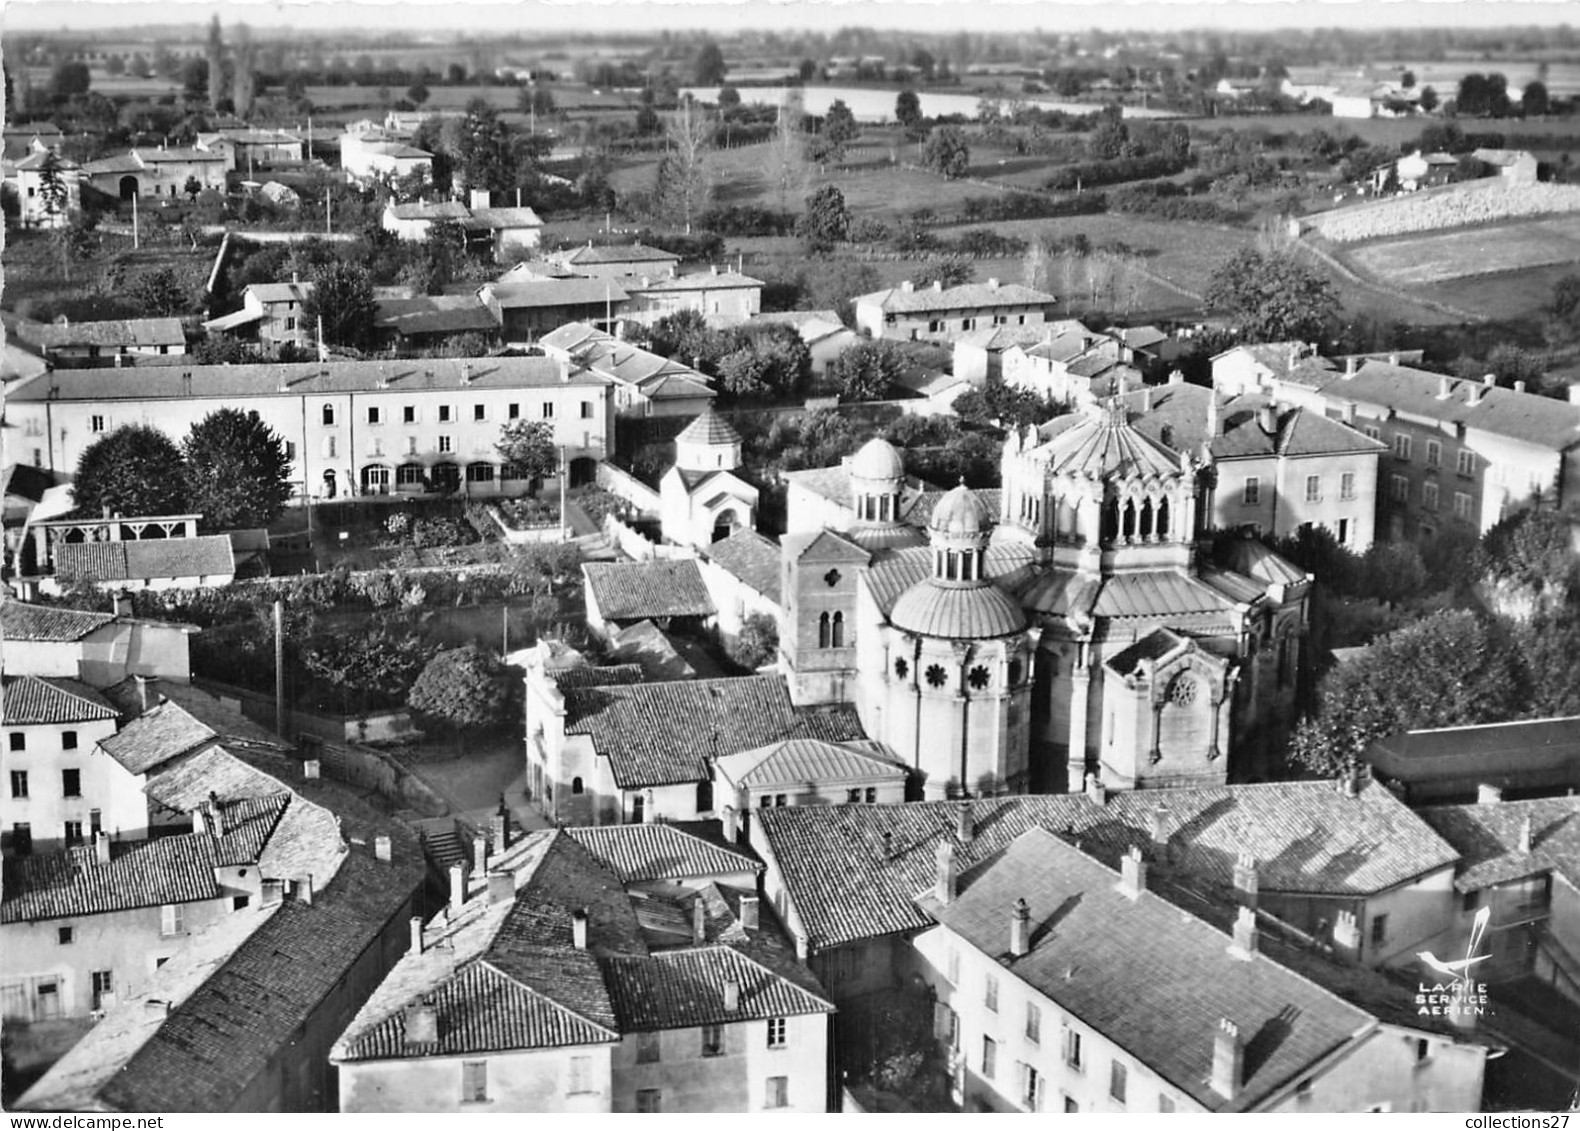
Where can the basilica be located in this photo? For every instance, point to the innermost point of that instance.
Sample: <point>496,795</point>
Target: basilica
<point>1070,629</point>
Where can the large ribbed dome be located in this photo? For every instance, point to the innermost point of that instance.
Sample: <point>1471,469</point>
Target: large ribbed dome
<point>979,613</point>
<point>960,512</point>
<point>877,459</point>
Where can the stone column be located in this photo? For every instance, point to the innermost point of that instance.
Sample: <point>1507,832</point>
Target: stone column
<point>1080,684</point>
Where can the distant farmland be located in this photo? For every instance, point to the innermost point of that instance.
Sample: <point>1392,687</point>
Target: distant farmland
<point>1429,259</point>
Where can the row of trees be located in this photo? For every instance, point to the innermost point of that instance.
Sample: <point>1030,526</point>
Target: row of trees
<point>751,362</point>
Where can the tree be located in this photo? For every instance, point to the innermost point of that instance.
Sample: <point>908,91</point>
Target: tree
<point>729,99</point>
<point>529,444</point>
<point>379,664</point>
<point>1534,100</point>
<point>417,92</point>
<point>115,65</point>
<point>1274,297</point>
<point>464,687</point>
<point>194,79</point>
<point>160,293</point>
<point>485,155</point>
<point>951,271</point>
<point>787,167</point>
<point>535,99</point>
<point>52,191</point>
<point>138,67</point>
<point>946,152</point>
<point>758,642</point>
<point>69,79</point>
<point>709,68</point>
<point>342,297</point>
<point>839,130</point>
<point>1566,296</point>
<point>866,370</point>
<point>134,470</point>
<point>1460,674</point>
<point>685,179</point>
<point>1428,100</point>
<point>238,475</point>
<point>826,220</point>
<point>1407,80</point>
<point>908,110</point>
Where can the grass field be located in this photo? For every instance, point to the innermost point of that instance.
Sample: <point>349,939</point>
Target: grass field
<point>1499,248</point>
<point>1388,131</point>
<point>1511,295</point>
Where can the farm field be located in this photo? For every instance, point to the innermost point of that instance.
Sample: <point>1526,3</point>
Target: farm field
<point>1510,295</point>
<point>1479,251</point>
<point>1386,131</point>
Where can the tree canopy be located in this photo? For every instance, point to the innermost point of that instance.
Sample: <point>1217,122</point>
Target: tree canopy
<point>908,110</point>
<point>465,687</point>
<point>1274,297</point>
<point>709,69</point>
<point>946,152</point>
<point>134,470</point>
<point>826,221</point>
<point>529,444</point>
<point>865,371</point>
<point>343,297</point>
<point>238,475</point>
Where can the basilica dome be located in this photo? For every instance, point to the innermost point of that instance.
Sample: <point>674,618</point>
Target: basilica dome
<point>959,512</point>
<point>980,613</point>
<point>877,459</point>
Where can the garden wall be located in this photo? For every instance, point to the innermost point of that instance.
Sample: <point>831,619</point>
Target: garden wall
<point>637,546</point>
<point>628,487</point>
<point>521,536</point>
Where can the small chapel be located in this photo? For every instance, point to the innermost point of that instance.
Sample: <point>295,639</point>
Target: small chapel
<point>1080,629</point>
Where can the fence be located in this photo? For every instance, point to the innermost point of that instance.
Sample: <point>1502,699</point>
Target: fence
<point>374,726</point>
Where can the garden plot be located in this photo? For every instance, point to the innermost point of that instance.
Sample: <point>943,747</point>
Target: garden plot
<point>1428,259</point>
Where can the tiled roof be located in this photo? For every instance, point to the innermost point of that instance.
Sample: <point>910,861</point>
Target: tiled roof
<point>165,732</point>
<point>1526,417</point>
<point>27,700</point>
<point>207,555</point>
<point>434,314</point>
<point>643,590</point>
<point>978,612</point>
<point>586,675</point>
<point>267,293</point>
<point>616,253</point>
<point>174,156</point>
<point>701,281</point>
<point>1153,646</point>
<point>431,210</point>
<point>557,292</point>
<point>752,558</point>
<point>852,871</point>
<point>804,761</point>
<point>708,428</point>
<point>896,571</point>
<point>998,338</point>
<point>664,733</point>
<point>1253,558</point>
<point>1488,839</point>
<point>501,219</point>
<point>1495,753</point>
<point>1157,593</point>
<point>964,297</point>
<point>676,386</point>
<point>113,332</point>
<point>637,853</point>
<point>172,869</point>
<point>1182,410</point>
<point>647,646</point>
<point>684,989</point>
<point>237,382</point>
<point>1102,443</point>
<point>1159,996</point>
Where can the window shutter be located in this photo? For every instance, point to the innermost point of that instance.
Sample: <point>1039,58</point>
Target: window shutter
<point>940,1020</point>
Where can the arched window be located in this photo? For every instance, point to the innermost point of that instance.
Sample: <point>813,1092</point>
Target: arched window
<point>952,569</point>
<point>886,509</point>
<point>1162,520</point>
<point>839,630</point>
<point>576,785</point>
<point>1128,524</point>
<point>1110,524</point>
<point>1146,518</point>
<point>823,631</point>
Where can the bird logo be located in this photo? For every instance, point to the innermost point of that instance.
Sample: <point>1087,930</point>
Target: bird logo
<point>1459,972</point>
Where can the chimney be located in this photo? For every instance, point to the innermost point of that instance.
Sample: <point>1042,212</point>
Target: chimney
<point>304,889</point>
<point>1445,388</point>
<point>1268,418</point>
<point>1020,928</point>
<point>1245,880</point>
<point>216,814</point>
<point>1228,1059</point>
<point>1245,934</point>
<point>422,1025</point>
<point>1214,414</point>
<point>466,372</point>
<point>416,934</point>
<point>1351,364</point>
<point>1294,354</point>
<point>1348,413</point>
<point>480,855</point>
<point>147,694</point>
<point>1525,836</point>
<point>1347,935</point>
<point>1146,399</point>
<point>1096,790</point>
<point>649,814</point>
<point>1132,874</point>
<point>749,913</point>
<point>311,769</point>
<point>1176,377</point>
<point>732,997</point>
<point>938,286</point>
<point>499,832</point>
<point>1487,794</point>
<point>457,887</point>
<point>907,287</point>
<point>579,928</point>
<point>699,922</point>
<point>944,863</point>
<point>992,284</point>
<point>1490,380</point>
<point>1519,386</point>
<point>1393,359</point>
<point>1159,828</point>
<point>123,603</point>
<point>965,826</point>
<point>273,892</point>
<point>381,849</point>
<point>501,887</point>
<point>1120,384</point>
<point>1478,392</point>
<point>101,848</point>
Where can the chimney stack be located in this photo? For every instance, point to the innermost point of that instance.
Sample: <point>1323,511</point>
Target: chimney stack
<point>1268,418</point>
<point>1095,790</point>
<point>1525,836</point>
<point>480,855</point>
<point>944,864</point>
<point>101,848</point>
<point>123,603</point>
<point>1228,1059</point>
<point>1245,934</point>
<point>1393,359</point>
<point>147,695</point>
<point>579,928</point>
<point>416,934</point>
<point>311,769</point>
<point>1132,874</point>
<point>1146,398</point>
<point>1347,935</point>
<point>1445,388</point>
<point>1245,880</point>
<point>304,889</point>
<point>699,922</point>
<point>501,887</point>
<point>466,372</point>
<point>1020,928</point>
<point>457,887</point>
<point>1176,377</point>
<point>381,849</point>
<point>749,913</point>
<point>965,826</point>
<point>907,287</point>
<point>499,832</point>
<point>1349,413</point>
<point>1159,828</point>
<point>992,284</point>
<point>938,286</point>
<point>216,814</point>
<point>1487,794</point>
<point>422,1025</point>
<point>732,997</point>
<point>649,809</point>
<point>1519,386</point>
<point>1214,414</point>
<point>1351,364</point>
